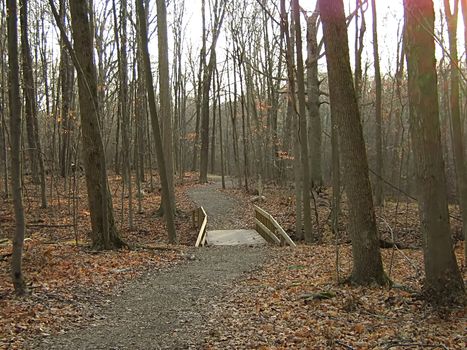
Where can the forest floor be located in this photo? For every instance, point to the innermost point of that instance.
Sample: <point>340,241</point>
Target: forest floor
<point>156,296</point>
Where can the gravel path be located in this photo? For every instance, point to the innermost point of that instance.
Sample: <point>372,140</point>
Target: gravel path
<point>222,210</point>
<point>171,309</point>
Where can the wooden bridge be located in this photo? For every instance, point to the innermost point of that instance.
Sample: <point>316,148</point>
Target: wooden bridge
<point>267,230</point>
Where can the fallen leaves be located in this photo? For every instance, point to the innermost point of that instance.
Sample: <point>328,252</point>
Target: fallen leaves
<point>294,302</point>
<point>66,279</point>
<point>304,308</point>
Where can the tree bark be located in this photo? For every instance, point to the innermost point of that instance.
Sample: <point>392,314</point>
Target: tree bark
<point>31,102</point>
<point>378,111</point>
<point>15,139</point>
<point>124,100</point>
<point>313,101</point>
<point>367,263</point>
<point>4,131</point>
<point>303,131</point>
<point>456,124</point>
<point>443,281</point>
<point>165,96</point>
<point>66,79</point>
<point>207,78</point>
<point>166,198</point>
<point>359,36</point>
<point>104,234</point>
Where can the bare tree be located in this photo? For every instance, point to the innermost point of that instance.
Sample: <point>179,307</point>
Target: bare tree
<point>367,263</point>
<point>359,40</point>
<point>165,95</point>
<point>15,130</point>
<point>314,133</point>
<point>3,124</point>
<point>104,233</point>
<point>378,110</point>
<point>166,198</point>
<point>303,131</point>
<point>124,101</point>
<point>456,125</point>
<point>443,281</point>
<point>219,11</point>
<point>66,83</point>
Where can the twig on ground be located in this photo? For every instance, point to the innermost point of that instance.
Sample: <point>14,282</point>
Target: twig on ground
<point>154,247</point>
<point>49,225</point>
<point>338,342</point>
<point>393,344</point>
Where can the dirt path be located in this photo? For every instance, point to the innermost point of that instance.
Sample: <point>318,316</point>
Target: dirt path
<point>170,309</point>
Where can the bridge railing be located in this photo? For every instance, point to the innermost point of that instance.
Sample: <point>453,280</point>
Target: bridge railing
<point>270,229</point>
<point>200,221</point>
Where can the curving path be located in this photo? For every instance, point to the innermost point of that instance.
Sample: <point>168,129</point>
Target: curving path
<point>170,309</point>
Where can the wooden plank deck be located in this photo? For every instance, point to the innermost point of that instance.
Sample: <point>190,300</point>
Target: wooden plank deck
<point>234,237</point>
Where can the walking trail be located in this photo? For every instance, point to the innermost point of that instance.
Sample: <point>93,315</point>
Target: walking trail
<point>171,309</point>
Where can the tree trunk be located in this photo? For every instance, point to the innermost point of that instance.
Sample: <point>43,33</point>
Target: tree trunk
<point>4,131</point>
<point>66,77</point>
<point>15,130</point>
<point>198,92</point>
<point>213,132</point>
<point>367,263</point>
<point>246,171</point>
<point>378,111</point>
<point>456,124</point>
<point>303,131</point>
<point>166,197</point>
<point>313,101</point>
<point>359,36</point>
<point>443,281</point>
<point>165,98</point>
<point>28,91</point>
<point>124,100</point>
<point>207,77</point>
<point>104,234</point>
<point>292,116</point>
<point>31,103</point>
<point>221,145</point>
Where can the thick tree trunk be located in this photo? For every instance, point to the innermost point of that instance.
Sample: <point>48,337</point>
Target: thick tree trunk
<point>104,234</point>
<point>456,124</point>
<point>443,281</point>
<point>15,130</point>
<point>367,267</point>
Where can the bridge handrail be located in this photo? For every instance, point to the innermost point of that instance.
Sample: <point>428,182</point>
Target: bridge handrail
<point>200,220</point>
<point>270,229</point>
